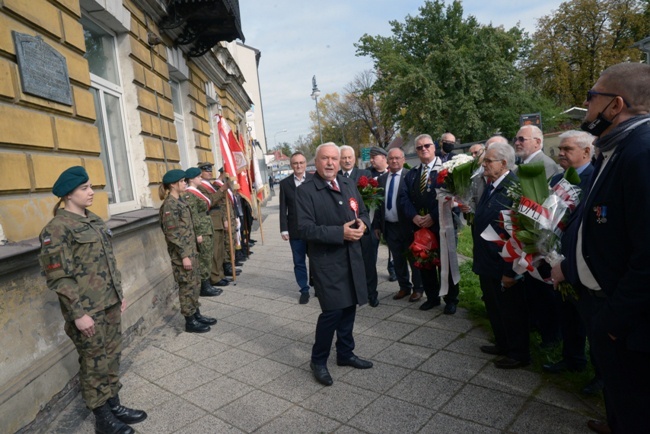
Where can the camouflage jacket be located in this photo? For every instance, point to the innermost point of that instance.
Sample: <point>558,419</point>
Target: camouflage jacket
<point>176,223</point>
<point>78,263</point>
<point>200,217</point>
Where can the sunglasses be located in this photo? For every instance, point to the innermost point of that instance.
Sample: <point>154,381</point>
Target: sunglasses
<point>421,147</point>
<point>206,169</point>
<point>592,93</point>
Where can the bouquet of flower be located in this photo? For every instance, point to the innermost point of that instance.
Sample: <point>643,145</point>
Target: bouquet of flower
<point>455,178</point>
<point>536,220</point>
<point>371,193</point>
<point>423,251</point>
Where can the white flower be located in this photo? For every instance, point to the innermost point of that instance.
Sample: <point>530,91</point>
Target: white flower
<point>456,161</point>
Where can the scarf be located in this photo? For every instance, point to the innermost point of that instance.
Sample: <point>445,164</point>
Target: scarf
<point>620,132</point>
<point>200,195</point>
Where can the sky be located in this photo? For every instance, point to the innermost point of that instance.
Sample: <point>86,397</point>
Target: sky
<point>302,38</point>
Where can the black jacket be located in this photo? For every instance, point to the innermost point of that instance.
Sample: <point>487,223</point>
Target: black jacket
<point>288,218</point>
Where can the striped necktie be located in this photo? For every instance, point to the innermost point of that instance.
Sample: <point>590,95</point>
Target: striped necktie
<point>334,186</point>
<point>423,178</point>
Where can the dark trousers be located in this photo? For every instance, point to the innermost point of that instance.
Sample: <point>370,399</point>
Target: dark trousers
<point>369,250</point>
<point>340,321</point>
<point>430,283</point>
<point>543,305</point>
<point>574,334</point>
<point>506,309</point>
<point>398,245</point>
<point>299,252</point>
<point>453,290</point>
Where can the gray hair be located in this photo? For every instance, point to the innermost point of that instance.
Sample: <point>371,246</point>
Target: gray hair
<point>345,148</point>
<point>581,138</point>
<point>329,144</point>
<point>536,133</point>
<point>400,150</point>
<point>503,151</point>
<point>495,139</point>
<point>422,136</point>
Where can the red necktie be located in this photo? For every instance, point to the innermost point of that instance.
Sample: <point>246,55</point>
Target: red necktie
<point>333,186</point>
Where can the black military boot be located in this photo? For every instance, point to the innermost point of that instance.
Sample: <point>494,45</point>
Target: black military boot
<point>125,414</point>
<point>107,423</point>
<point>193,326</point>
<point>207,290</point>
<point>227,269</point>
<point>204,319</point>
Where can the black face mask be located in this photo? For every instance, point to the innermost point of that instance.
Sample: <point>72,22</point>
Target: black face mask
<point>598,125</point>
<point>447,147</point>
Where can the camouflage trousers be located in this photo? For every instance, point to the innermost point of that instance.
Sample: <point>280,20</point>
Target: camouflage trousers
<point>218,256</point>
<point>99,356</point>
<point>189,285</point>
<point>206,252</point>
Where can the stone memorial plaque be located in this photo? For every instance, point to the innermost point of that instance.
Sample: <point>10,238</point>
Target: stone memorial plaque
<point>43,70</point>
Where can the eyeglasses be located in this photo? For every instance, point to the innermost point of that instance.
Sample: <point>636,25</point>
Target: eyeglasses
<point>592,93</point>
<point>521,139</point>
<point>206,169</point>
<point>427,146</point>
<point>489,160</point>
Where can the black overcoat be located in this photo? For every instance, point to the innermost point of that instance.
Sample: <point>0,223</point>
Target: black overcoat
<point>336,265</point>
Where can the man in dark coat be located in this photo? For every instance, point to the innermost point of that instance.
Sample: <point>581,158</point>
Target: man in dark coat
<point>369,242</point>
<point>608,244</point>
<point>503,294</point>
<point>332,219</point>
<point>289,222</point>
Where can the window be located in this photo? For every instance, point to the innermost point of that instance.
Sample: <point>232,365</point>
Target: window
<point>107,91</point>
<point>179,122</point>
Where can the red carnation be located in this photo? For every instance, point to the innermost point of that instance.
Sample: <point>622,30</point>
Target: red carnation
<point>363,182</point>
<point>373,182</point>
<point>442,175</point>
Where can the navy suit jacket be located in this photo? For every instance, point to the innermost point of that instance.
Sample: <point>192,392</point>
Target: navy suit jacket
<point>616,241</point>
<point>378,222</point>
<point>288,217</point>
<point>487,259</point>
<point>410,201</point>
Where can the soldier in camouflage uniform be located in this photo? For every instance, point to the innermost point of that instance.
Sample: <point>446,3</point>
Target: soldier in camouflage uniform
<point>79,265</point>
<point>176,223</point>
<point>199,204</point>
<point>217,195</point>
<point>229,207</point>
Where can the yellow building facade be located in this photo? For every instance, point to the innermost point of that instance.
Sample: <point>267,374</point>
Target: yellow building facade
<point>142,100</point>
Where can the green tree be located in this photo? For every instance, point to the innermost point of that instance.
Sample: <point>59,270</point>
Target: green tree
<point>442,72</point>
<point>337,123</point>
<point>574,44</point>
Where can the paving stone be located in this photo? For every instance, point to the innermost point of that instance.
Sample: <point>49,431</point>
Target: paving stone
<point>390,330</point>
<point>390,415</point>
<point>451,322</point>
<point>425,390</point>
<point>188,378</point>
<point>172,340</point>
<point>452,365</point>
<point>339,401</point>
<point>169,417</point>
<point>382,311</point>
<point>217,393</point>
<point>295,386</point>
<point>265,344</point>
<point>294,354</point>
<point>237,336</point>
<point>515,381</point>
<point>251,411</point>
<point>229,360</point>
<point>363,323</point>
<point>209,424</point>
<point>410,316</point>
<point>379,378</point>
<point>470,346</point>
<point>484,406</point>
<point>260,372</point>
<point>404,355</point>
<point>294,330</point>
<point>431,338</point>
<point>164,365</point>
<point>299,420</point>
<point>445,424</point>
<point>203,350</point>
<point>549,394</point>
<point>543,418</point>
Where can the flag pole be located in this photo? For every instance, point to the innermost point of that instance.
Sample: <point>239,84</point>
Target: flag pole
<point>230,222</point>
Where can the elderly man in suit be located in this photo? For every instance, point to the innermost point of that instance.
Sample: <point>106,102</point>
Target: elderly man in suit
<point>607,245</point>
<point>332,219</point>
<point>575,151</point>
<point>389,220</point>
<point>503,295</point>
<point>289,222</point>
<point>529,144</point>
<point>369,242</point>
<point>417,201</point>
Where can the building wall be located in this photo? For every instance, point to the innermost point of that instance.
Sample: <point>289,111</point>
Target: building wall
<point>40,138</point>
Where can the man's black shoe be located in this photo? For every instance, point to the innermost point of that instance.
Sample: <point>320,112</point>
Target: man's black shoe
<point>492,349</point>
<point>227,269</point>
<point>594,387</point>
<point>355,362</point>
<point>430,304</point>
<point>107,422</point>
<point>508,363</point>
<point>392,277</point>
<point>373,301</point>
<point>238,263</point>
<point>204,319</point>
<point>321,374</point>
<point>304,298</point>
<point>450,309</point>
<point>561,366</point>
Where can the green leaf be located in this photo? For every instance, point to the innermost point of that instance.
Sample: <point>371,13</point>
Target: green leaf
<point>532,178</point>
<point>572,176</point>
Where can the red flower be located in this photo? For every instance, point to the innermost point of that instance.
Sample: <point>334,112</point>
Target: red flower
<point>363,182</point>
<point>373,182</point>
<point>442,175</point>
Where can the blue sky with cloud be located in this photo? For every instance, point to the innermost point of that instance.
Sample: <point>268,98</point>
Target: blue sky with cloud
<point>302,38</point>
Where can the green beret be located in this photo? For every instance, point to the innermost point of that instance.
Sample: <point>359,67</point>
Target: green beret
<point>69,180</point>
<point>173,176</point>
<point>192,172</point>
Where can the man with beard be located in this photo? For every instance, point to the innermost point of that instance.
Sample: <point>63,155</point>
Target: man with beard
<point>607,245</point>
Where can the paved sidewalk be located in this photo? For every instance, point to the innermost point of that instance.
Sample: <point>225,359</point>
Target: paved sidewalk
<point>251,372</point>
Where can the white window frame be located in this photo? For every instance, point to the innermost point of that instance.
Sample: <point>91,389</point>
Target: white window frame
<point>103,86</point>
<point>179,123</point>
